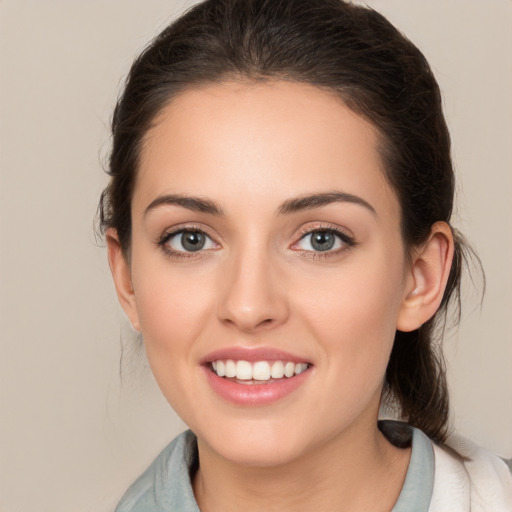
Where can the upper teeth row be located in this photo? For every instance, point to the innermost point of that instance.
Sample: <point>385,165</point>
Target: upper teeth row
<point>261,370</point>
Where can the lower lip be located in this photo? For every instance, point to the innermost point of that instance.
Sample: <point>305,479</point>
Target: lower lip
<point>252,395</point>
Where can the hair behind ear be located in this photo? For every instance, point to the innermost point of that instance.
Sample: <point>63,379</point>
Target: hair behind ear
<point>416,385</point>
<point>416,382</point>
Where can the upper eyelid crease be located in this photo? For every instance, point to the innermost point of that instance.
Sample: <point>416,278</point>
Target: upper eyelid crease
<point>183,229</point>
<point>345,237</point>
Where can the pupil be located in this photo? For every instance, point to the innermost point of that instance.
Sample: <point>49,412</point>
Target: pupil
<point>192,241</point>
<point>322,240</point>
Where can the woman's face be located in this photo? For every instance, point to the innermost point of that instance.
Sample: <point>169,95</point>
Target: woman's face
<point>265,232</point>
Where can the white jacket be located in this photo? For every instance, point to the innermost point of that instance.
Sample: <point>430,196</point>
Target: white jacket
<point>476,482</point>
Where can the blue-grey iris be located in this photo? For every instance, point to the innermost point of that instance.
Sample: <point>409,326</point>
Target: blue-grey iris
<point>322,240</point>
<point>193,240</point>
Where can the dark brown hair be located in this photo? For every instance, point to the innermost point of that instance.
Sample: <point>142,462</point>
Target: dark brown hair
<point>354,52</point>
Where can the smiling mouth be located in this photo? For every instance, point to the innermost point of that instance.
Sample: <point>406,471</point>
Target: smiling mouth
<point>259,372</point>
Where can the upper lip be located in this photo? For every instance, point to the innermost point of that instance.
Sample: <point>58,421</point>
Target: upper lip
<point>252,355</point>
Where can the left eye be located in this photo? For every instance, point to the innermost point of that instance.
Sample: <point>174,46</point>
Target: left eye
<point>189,241</point>
<point>321,241</point>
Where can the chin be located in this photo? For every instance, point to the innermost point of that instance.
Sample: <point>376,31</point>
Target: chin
<point>256,445</point>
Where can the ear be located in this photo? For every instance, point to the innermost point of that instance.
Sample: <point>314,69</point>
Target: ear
<point>121,273</point>
<point>427,278</point>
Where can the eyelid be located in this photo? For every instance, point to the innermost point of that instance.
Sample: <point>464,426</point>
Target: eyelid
<point>311,227</point>
<point>343,234</point>
<point>173,231</point>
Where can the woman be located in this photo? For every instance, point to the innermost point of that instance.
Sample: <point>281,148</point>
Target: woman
<point>278,230</point>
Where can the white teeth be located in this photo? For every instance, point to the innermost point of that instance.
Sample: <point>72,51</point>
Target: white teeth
<point>260,370</point>
<point>289,369</point>
<point>300,367</point>
<point>243,370</point>
<point>277,370</point>
<point>230,368</point>
<point>221,368</point>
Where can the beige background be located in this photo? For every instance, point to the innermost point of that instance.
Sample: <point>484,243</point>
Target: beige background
<point>71,436</point>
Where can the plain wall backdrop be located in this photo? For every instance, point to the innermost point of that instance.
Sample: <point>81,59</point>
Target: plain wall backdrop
<point>72,435</point>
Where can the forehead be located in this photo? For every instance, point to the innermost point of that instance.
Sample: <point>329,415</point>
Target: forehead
<point>262,140</point>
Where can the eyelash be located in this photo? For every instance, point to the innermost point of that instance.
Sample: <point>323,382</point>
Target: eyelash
<point>347,241</point>
<point>173,253</point>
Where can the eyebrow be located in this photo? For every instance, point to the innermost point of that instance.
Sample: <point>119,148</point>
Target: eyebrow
<point>195,204</point>
<point>318,200</point>
<point>308,202</point>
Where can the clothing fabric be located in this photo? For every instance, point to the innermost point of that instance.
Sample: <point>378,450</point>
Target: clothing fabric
<point>419,481</point>
<point>468,478</point>
<point>458,477</point>
<point>165,486</point>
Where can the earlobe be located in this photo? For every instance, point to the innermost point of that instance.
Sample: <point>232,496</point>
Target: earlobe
<point>121,273</point>
<point>427,278</point>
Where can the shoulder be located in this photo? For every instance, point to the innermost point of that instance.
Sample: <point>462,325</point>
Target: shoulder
<point>165,485</point>
<point>468,477</point>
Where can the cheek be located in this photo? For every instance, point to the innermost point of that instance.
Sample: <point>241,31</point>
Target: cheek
<point>354,311</point>
<point>356,323</point>
<point>173,307</point>
<point>173,311</point>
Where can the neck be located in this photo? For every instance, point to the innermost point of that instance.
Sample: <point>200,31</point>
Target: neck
<point>356,471</point>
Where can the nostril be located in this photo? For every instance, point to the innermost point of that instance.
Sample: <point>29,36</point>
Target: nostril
<point>250,324</point>
<point>251,301</point>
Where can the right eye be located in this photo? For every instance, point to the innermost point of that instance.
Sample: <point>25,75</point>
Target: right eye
<point>187,240</point>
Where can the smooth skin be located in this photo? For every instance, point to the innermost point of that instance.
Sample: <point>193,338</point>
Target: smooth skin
<point>249,153</point>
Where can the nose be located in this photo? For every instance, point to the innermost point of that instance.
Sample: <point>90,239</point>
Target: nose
<point>253,296</point>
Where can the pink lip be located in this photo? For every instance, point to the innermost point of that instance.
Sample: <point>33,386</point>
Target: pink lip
<point>252,355</point>
<point>254,394</point>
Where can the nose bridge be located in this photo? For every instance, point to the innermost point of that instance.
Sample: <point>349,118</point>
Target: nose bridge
<point>252,294</point>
